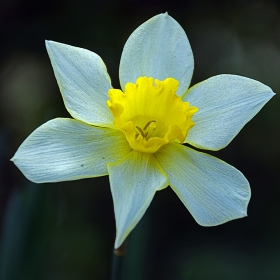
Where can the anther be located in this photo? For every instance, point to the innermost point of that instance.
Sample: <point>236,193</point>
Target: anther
<point>148,123</point>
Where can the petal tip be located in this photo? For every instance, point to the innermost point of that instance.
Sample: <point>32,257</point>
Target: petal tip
<point>164,16</point>
<point>48,43</point>
<point>118,243</point>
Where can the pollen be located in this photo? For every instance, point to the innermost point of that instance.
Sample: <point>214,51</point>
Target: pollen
<point>150,113</point>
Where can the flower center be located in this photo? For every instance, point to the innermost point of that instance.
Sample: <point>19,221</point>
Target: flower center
<point>150,113</point>
<point>147,130</point>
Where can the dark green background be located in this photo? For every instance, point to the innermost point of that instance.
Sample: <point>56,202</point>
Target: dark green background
<point>66,230</point>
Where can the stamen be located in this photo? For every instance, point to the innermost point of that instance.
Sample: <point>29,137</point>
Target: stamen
<point>152,127</point>
<point>148,123</point>
<point>141,131</point>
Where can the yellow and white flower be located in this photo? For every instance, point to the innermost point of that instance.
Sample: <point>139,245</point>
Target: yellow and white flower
<point>137,135</point>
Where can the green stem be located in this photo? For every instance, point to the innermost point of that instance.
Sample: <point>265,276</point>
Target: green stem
<point>117,263</point>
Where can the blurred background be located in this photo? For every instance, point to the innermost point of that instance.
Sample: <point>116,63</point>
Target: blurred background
<point>66,230</point>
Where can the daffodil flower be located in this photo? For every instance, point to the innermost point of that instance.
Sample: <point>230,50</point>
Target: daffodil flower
<point>136,135</point>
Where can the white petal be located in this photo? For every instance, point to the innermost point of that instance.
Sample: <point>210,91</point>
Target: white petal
<point>213,191</point>
<point>67,149</point>
<point>134,181</point>
<point>158,48</point>
<point>225,104</point>
<point>83,81</point>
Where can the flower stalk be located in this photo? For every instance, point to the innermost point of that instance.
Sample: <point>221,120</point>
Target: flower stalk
<point>117,263</point>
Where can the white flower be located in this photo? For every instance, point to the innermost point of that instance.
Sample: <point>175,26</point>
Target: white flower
<point>136,137</point>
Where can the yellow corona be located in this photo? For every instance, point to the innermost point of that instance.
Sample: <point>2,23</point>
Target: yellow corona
<point>150,113</point>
